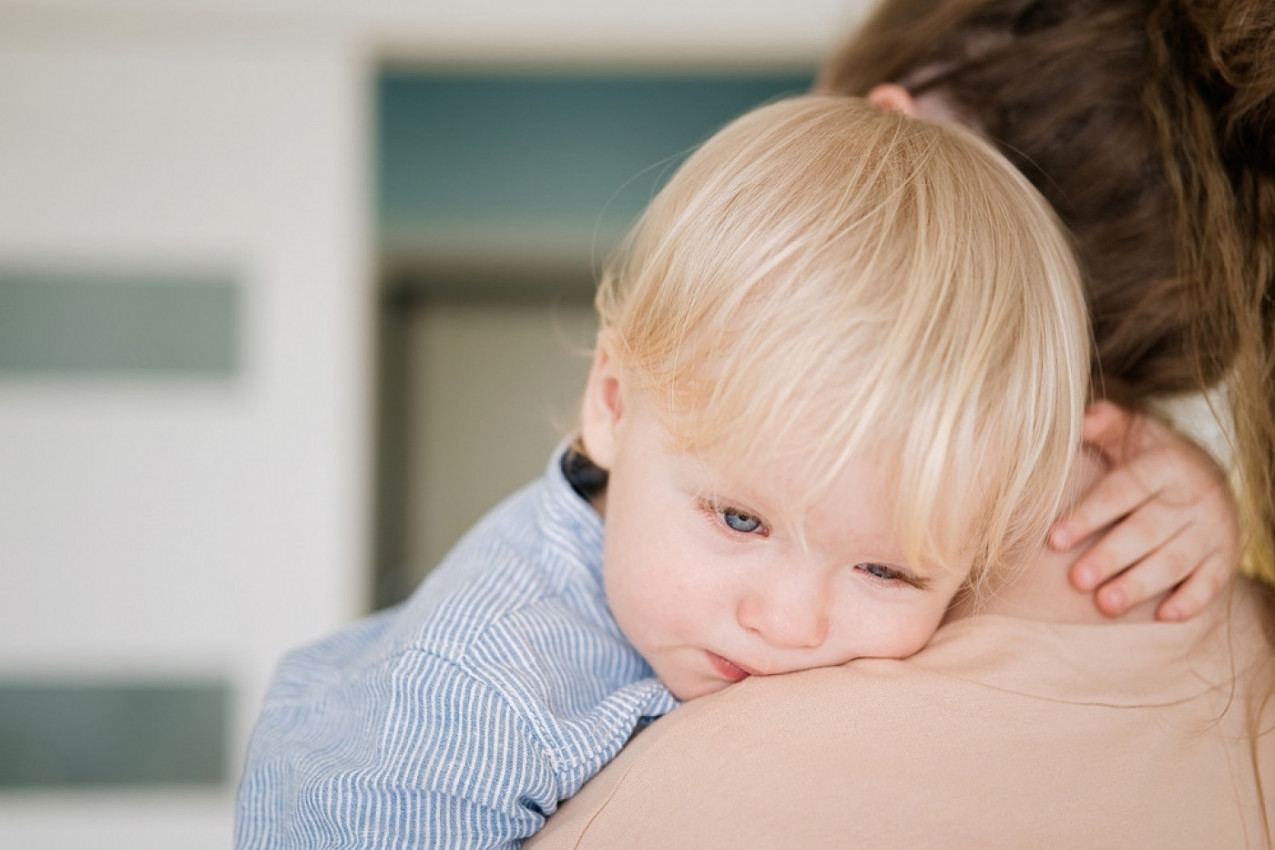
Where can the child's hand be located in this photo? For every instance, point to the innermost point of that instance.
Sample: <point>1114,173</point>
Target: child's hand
<point>1175,519</point>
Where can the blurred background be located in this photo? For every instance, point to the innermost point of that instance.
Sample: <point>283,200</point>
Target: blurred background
<point>290,293</point>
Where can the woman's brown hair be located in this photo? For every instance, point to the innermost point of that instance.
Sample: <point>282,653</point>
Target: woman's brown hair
<point>1150,127</point>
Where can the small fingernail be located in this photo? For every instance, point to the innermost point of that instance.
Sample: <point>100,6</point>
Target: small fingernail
<point>1171,613</point>
<point>1086,576</point>
<point>1058,538</point>
<point>1115,600</point>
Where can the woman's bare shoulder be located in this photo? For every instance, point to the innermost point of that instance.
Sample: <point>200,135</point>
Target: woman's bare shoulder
<point>999,716</point>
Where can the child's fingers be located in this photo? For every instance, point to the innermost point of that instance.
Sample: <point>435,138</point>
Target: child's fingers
<point>1136,539</point>
<point>1171,565</point>
<point>1118,493</point>
<point>1171,520</point>
<point>1198,590</point>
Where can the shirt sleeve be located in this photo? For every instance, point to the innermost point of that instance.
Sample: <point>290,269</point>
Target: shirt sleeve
<point>410,752</point>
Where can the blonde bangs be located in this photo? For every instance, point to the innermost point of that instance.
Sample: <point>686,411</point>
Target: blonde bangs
<point>824,281</point>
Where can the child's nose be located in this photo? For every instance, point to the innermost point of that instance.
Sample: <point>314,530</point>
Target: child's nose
<point>791,617</point>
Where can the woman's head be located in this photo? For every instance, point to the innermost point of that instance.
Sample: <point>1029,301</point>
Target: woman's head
<point>824,281</point>
<point>1148,126</point>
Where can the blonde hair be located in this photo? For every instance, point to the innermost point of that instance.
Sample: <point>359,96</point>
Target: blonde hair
<point>824,280</point>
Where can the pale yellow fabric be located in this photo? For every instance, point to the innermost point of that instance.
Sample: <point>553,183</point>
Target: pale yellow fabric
<point>1002,733</point>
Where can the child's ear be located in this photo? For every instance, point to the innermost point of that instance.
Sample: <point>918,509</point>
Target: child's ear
<point>603,407</point>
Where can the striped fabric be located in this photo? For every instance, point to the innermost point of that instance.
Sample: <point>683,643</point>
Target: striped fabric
<point>462,717</point>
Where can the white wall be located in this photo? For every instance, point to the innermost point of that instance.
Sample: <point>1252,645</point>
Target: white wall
<point>154,528</point>
<point>151,529</point>
<point>683,31</point>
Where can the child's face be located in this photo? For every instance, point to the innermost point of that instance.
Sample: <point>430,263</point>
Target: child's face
<point>707,577</point>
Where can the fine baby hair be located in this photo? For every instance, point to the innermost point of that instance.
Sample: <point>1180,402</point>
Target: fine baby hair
<point>823,280</point>
<point>1148,126</point>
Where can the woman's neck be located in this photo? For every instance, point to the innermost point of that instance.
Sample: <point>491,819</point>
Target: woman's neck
<point>1041,590</point>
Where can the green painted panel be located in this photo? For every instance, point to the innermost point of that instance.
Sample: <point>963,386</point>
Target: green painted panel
<point>113,325</point>
<point>110,734</point>
<point>565,149</point>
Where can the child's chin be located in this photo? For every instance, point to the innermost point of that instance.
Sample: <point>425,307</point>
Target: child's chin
<point>688,691</point>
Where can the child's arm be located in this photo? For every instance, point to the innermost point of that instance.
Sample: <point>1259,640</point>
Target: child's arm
<point>405,751</point>
<point>1173,516</point>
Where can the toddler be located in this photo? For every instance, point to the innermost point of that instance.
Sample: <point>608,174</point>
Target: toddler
<point>840,377</point>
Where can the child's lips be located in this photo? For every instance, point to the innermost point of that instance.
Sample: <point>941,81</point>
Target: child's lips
<point>728,669</point>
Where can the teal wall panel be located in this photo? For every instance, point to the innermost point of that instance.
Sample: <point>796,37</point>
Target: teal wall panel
<point>98,325</point>
<point>503,148</point>
<point>77,734</point>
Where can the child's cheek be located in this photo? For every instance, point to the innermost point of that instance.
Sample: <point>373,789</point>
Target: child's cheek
<point>916,632</point>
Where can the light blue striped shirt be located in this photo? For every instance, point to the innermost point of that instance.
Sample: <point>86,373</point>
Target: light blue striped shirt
<point>462,717</point>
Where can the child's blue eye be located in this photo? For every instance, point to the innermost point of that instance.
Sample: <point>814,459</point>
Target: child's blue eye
<point>881,571</point>
<point>741,522</point>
